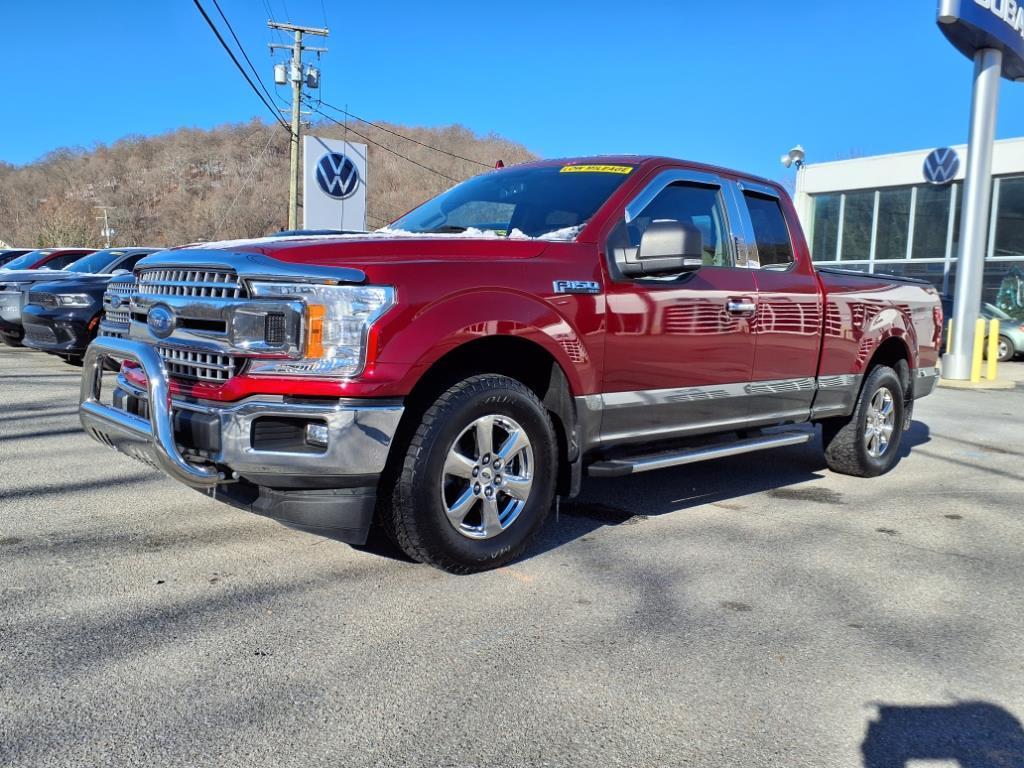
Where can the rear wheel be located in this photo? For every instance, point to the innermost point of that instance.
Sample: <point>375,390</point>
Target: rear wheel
<point>478,477</point>
<point>1006,350</point>
<point>867,444</point>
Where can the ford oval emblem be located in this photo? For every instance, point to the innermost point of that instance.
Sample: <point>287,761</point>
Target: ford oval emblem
<point>114,301</point>
<point>161,321</point>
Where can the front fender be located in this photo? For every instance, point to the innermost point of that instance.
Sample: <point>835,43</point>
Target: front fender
<point>420,339</point>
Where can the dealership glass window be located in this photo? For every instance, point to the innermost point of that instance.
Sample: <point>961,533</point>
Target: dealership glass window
<point>825,227</point>
<point>1010,221</point>
<point>931,222</point>
<point>858,214</point>
<point>893,224</point>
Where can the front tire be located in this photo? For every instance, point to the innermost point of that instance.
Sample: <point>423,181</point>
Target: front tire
<point>867,444</point>
<point>477,479</point>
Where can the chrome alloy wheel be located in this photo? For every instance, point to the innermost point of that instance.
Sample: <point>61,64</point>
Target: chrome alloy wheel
<point>881,421</point>
<point>1004,349</point>
<point>487,477</point>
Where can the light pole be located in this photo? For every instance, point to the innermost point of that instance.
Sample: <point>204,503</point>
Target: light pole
<point>988,33</point>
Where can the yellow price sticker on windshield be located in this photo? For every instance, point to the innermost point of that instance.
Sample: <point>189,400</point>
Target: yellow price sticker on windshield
<point>623,169</point>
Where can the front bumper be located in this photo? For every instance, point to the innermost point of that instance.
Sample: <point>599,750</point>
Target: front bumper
<point>11,305</point>
<point>64,332</point>
<point>247,451</point>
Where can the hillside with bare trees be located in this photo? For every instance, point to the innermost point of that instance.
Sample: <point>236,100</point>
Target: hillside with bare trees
<point>228,182</point>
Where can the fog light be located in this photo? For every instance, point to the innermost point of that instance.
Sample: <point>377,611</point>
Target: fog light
<point>318,435</point>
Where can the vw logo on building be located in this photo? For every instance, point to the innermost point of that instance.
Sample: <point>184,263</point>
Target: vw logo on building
<point>161,321</point>
<point>337,175</point>
<point>941,166</point>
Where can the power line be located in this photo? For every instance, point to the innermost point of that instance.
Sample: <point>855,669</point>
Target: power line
<point>403,136</point>
<point>230,53</point>
<point>378,144</point>
<point>241,48</point>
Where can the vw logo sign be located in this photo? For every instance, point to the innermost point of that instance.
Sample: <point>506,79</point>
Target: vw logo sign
<point>941,166</point>
<point>161,321</point>
<point>337,175</point>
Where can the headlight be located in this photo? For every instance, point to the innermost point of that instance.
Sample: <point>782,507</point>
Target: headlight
<point>74,299</point>
<point>337,323</point>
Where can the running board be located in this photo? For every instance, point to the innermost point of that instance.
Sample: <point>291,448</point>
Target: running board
<point>636,464</point>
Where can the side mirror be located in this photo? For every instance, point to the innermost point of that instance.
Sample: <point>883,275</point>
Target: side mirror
<point>121,271</point>
<point>669,247</point>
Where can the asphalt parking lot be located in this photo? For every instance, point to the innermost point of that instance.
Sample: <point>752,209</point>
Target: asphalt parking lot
<point>755,611</point>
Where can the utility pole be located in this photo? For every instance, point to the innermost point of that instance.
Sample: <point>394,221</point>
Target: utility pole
<point>106,231</point>
<point>295,76</point>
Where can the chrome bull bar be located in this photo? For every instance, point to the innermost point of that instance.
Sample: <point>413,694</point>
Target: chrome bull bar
<point>151,440</point>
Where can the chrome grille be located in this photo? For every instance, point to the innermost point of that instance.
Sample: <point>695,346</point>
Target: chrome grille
<point>119,316</point>
<point>126,288</point>
<point>212,284</point>
<point>121,289</point>
<point>42,299</point>
<point>199,366</point>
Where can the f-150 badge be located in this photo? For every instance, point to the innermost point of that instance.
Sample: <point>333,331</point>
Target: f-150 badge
<point>576,286</point>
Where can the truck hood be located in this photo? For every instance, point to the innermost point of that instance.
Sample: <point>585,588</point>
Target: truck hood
<point>366,249</point>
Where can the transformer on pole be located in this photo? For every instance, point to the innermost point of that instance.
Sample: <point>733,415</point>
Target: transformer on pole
<point>293,74</point>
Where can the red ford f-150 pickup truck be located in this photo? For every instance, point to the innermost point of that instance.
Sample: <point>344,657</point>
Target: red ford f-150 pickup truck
<point>448,376</point>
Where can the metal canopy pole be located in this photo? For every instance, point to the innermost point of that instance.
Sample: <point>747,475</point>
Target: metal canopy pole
<point>988,65</point>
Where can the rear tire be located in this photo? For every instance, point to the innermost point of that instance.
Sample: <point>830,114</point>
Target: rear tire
<point>867,444</point>
<point>477,479</point>
<point>1006,350</point>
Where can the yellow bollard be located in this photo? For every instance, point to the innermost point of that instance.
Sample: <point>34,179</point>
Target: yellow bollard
<point>979,350</point>
<point>993,349</point>
<point>949,336</point>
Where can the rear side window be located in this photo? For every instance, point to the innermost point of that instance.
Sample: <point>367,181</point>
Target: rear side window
<point>59,262</point>
<point>774,247</point>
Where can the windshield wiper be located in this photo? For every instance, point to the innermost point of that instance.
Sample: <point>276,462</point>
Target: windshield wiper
<point>447,229</point>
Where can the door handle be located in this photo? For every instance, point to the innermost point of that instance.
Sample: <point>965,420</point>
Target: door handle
<point>741,306</point>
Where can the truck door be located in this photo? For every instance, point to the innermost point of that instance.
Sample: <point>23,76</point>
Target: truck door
<point>788,325</point>
<point>679,348</point>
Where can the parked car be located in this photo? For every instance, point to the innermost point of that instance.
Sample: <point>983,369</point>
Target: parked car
<point>17,274</point>
<point>63,317</point>
<point>16,284</point>
<point>448,376</point>
<point>1011,329</point>
<point>10,254</point>
<point>44,258</point>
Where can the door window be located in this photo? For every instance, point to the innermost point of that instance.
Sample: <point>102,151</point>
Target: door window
<point>771,235</point>
<point>688,203</point>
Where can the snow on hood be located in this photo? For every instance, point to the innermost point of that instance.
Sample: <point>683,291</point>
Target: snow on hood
<point>386,233</point>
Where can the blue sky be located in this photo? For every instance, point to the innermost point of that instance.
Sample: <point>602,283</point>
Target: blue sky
<point>736,83</point>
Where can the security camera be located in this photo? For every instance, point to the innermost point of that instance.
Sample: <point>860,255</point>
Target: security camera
<point>795,156</point>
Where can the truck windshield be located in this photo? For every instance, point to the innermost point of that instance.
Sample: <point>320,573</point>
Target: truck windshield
<point>550,202</point>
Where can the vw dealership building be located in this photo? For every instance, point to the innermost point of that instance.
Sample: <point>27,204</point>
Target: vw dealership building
<point>899,215</point>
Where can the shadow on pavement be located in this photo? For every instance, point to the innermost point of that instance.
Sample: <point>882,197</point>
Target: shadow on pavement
<point>972,734</point>
<point>719,482</point>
